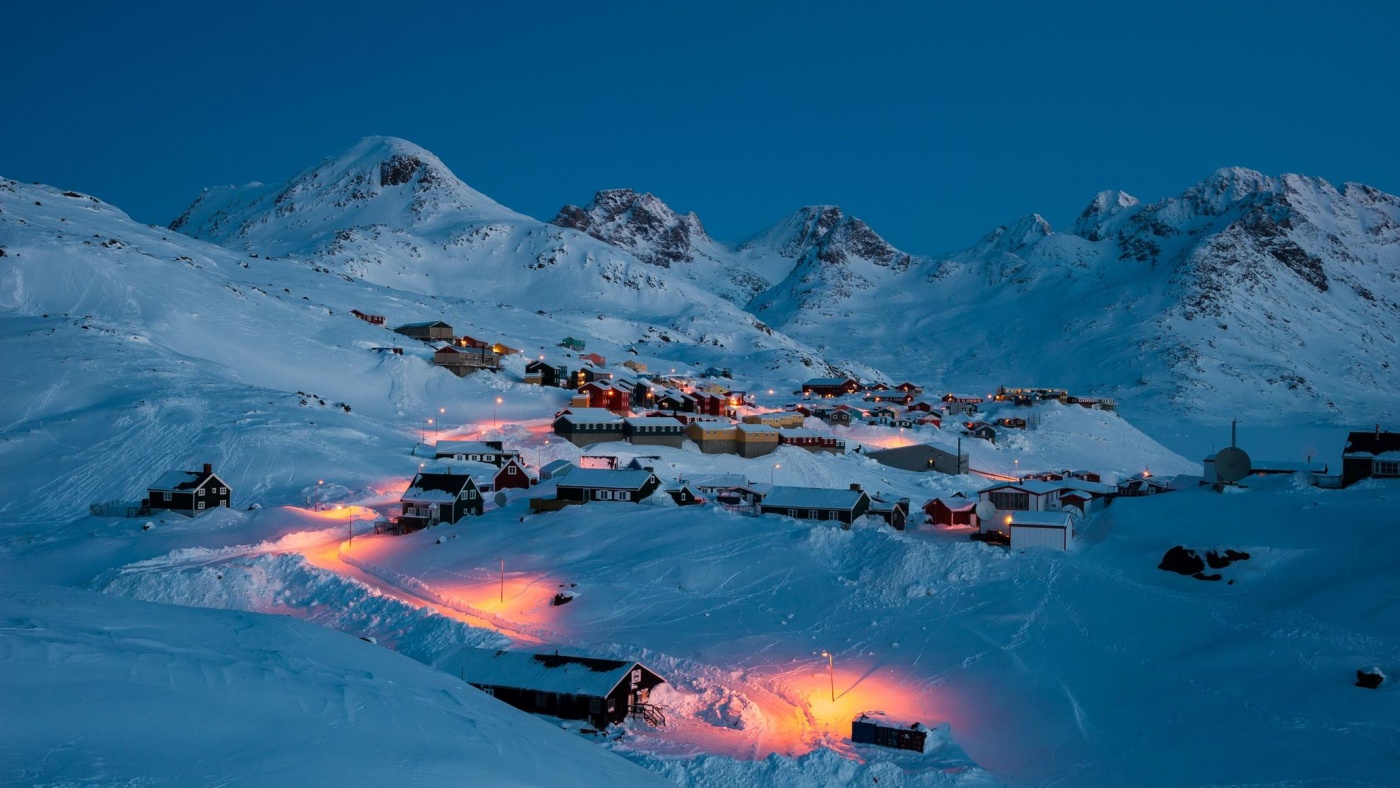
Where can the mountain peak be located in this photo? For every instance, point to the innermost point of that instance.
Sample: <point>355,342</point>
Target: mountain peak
<point>640,223</point>
<point>1105,206</point>
<point>378,180</point>
<point>1013,238</point>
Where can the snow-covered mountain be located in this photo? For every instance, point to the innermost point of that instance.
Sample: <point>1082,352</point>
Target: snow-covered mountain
<point>389,213</point>
<point>1276,295</point>
<point>655,234</point>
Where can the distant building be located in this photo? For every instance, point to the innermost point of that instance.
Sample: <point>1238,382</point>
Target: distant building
<point>573,344</point>
<point>511,475</point>
<point>1024,496</point>
<point>654,431</point>
<point>374,320</point>
<point>587,426</point>
<point>190,493</point>
<point>831,387</point>
<point>755,440</point>
<point>714,437</point>
<point>475,451</point>
<point>464,361</point>
<point>806,439</point>
<point>781,419</point>
<point>921,457</point>
<point>541,373</point>
<point>431,331</point>
<point>952,511</point>
<point>555,470</point>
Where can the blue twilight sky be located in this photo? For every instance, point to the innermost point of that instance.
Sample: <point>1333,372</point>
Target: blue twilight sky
<point>933,122</point>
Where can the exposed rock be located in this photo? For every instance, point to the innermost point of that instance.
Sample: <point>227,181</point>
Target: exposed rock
<point>1182,561</point>
<point>398,169</point>
<point>1369,678</point>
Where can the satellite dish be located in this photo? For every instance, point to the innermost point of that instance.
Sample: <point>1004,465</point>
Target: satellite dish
<point>986,510</point>
<point>1231,465</point>
<point>500,499</point>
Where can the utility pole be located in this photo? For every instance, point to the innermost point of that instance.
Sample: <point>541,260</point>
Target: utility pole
<point>503,579</point>
<point>831,672</point>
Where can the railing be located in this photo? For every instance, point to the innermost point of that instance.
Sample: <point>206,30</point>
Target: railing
<point>115,509</point>
<point>650,714</point>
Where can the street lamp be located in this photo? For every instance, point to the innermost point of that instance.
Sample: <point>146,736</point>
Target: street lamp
<point>319,482</point>
<point>495,417</point>
<point>425,432</point>
<point>352,526</point>
<point>772,472</point>
<point>831,672</point>
<point>503,579</point>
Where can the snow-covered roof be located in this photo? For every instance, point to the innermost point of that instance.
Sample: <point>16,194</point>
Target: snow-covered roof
<point>557,467</point>
<point>757,429</point>
<point>1062,519</point>
<point>437,487</point>
<point>471,447</point>
<point>1085,486</point>
<point>591,416</point>
<point>801,432</point>
<point>958,503</point>
<point>654,421</point>
<point>1033,486</point>
<point>539,672</point>
<point>606,478</point>
<point>826,381</point>
<point>178,481</point>
<point>812,498</point>
<point>717,480</point>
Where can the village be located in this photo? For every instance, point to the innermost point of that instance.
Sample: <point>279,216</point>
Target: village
<point>627,435</point>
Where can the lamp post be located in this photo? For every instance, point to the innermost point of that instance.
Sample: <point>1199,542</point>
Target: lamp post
<point>319,482</point>
<point>495,413</point>
<point>772,473</point>
<point>429,420</point>
<point>441,411</point>
<point>503,579</point>
<point>831,672</point>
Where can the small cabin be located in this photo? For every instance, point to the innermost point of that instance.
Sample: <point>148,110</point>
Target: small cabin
<point>190,493</point>
<point>557,469</point>
<point>601,691</point>
<point>1040,529</point>
<point>1024,496</point>
<point>956,510</point>
<point>374,320</point>
<point>547,374</point>
<point>592,484</point>
<point>895,512</point>
<point>576,345</point>
<point>830,387</point>
<point>876,728</point>
<point>817,503</point>
<point>511,475</point>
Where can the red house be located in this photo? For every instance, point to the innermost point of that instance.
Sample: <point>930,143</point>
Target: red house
<point>598,361</point>
<point>512,475</point>
<point>374,320</point>
<point>922,406</point>
<point>954,510</point>
<point>831,387</point>
<point>602,394</point>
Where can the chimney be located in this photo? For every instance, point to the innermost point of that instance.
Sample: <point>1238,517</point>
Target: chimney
<point>1378,432</point>
<point>208,468</point>
<point>855,487</point>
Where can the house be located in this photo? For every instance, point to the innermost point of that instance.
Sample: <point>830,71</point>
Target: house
<point>1374,454</point>
<point>601,691</point>
<point>434,498</point>
<point>817,503</point>
<point>895,512</point>
<point>397,351</point>
<point>959,408</point>
<point>475,451</point>
<point>190,493</point>
<point>432,331</point>
<point>882,412</point>
<point>922,407</point>
<point>502,349</point>
<point>926,419</point>
<point>556,470</point>
<point>874,727</point>
<point>683,495</point>
<point>464,361</point>
<point>894,395</point>
<point>806,439</point>
<point>605,462</point>
<point>511,475</point>
<point>837,418</point>
<point>594,359</point>
<point>587,426</point>
<point>573,344</point>
<point>951,399</point>
<point>714,437</point>
<point>1081,501</point>
<point>374,320</point>
<point>603,394</point>
<point>1040,529</point>
<point>830,387</point>
<point>653,431</point>
<point>910,388</point>
<point>755,440</point>
<point>1143,484</point>
<point>1023,496</point>
<point>634,365</point>
<point>587,373</point>
<point>548,374</point>
<point>472,342</point>
<point>952,511</point>
<point>595,484</point>
<point>1012,423</point>
<point>980,429</point>
<point>1096,403</point>
<point>718,372</point>
<point>779,419</point>
<point>921,457</point>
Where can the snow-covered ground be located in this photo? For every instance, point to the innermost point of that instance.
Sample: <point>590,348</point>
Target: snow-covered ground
<point>164,654</point>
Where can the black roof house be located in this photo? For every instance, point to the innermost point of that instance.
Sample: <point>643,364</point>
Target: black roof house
<point>602,691</point>
<point>189,493</point>
<point>434,498</point>
<point>1374,453</point>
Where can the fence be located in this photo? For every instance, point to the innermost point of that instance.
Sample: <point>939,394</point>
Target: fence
<point>115,509</point>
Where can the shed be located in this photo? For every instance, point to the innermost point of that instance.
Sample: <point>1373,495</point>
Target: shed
<point>953,510</point>
<point>190,493</point>
<point>817,503</point>
<point>556,470</point>
<point>874,727</point>
<point>1040,529</point>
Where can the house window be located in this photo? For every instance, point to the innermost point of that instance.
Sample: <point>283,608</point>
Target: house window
<point>471,493</point>
<point>792,513</point>
<point>1011,501</point>
<point>604,495</point>
<point>223,491</point>
<point>595,705</point>
<point>165,496</point>
<point>201,492</point>
<point>201,505</point>
<point>622,496</point>
<point>510,470</point>
<point>1385,468</point>
<point>223,503</point>
<point>813,514</point>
